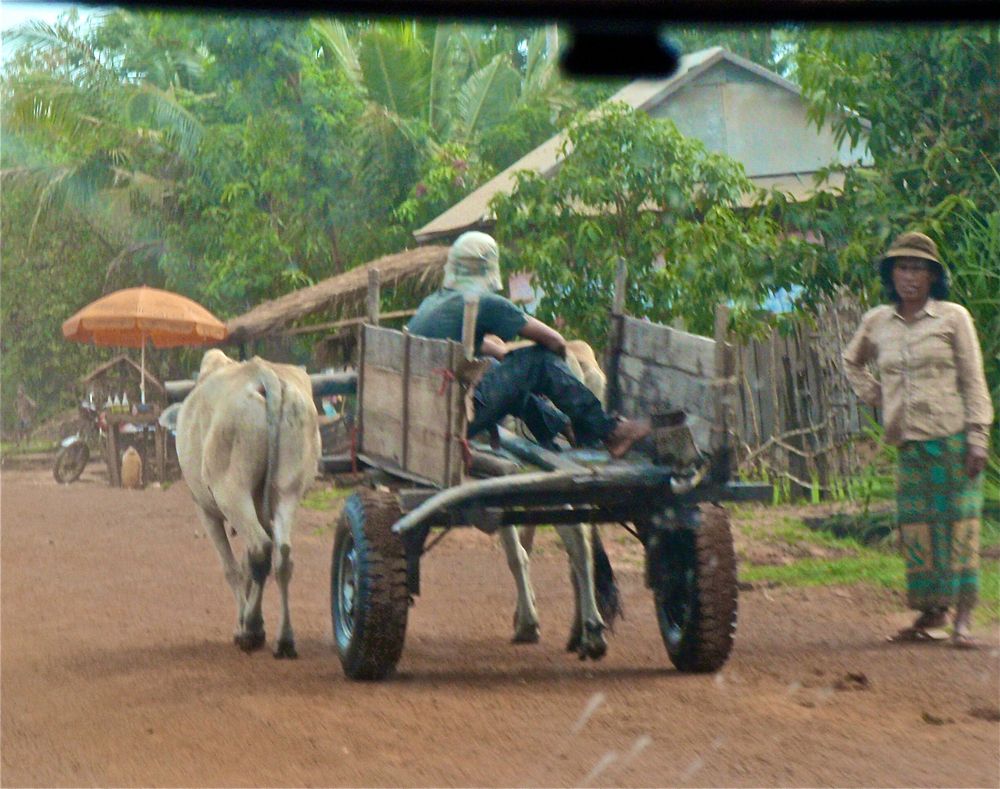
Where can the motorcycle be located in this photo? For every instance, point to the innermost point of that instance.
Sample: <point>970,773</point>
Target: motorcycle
<point>74,450</point>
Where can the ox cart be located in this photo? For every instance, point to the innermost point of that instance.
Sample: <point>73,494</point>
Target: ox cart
<point>412,412</point>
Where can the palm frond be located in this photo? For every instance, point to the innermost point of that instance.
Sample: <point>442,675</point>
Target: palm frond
<point>50,186</point>
<point>336,40</point>
<point>486,96</point>
<point>540,63</point>
<point>395,67</point>
<point>45,100</point>
<point>57,42</point>
<point>441,80</point>
<point>162,108</point>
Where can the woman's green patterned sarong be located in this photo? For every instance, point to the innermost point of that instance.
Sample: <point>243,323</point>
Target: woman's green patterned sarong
<point>938,509</point>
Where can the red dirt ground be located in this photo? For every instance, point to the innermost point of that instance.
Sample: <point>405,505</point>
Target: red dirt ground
<point>118,670</point>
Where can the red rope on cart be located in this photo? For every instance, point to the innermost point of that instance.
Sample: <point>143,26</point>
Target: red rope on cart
<point>447,377</point>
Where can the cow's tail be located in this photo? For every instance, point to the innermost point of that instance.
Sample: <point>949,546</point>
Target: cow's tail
<point>273,401</point>
<point>609,599</point>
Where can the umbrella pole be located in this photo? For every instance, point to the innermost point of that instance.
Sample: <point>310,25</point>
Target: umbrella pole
<point>142,375</point>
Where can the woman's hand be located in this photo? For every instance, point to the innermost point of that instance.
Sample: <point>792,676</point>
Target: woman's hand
<point>975,460</point>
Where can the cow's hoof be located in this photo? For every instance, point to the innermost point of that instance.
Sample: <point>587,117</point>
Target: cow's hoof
<point>594,645</point>
<point>249,642</point>
<point>575,637</point>
<point>526,635</point>
<point>285,649</point>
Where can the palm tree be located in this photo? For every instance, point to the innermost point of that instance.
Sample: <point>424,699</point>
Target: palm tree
<point>94,118</point>
<point>443,84</point>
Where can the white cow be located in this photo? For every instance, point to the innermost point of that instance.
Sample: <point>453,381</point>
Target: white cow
<point>596,598</point>
<point>248,444</point>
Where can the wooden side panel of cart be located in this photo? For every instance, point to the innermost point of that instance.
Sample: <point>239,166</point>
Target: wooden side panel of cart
<point>655,368</point>
<point>411,415</point>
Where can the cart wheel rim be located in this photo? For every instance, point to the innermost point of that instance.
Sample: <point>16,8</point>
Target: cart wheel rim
<point>347,589</point>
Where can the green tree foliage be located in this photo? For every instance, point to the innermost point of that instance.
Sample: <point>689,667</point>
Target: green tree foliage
<point>264,212</point>
<point>636,188</point>
<point>85,130</point>
<point>40,282</point>
<point>234,159</point>
<point>446,106</point>
<point>90,148</point>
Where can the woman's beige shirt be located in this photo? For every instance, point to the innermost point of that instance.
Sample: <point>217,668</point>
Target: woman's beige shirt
<point>931,381</point>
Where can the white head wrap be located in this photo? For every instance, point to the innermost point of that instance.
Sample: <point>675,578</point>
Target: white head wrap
<point>473,263</point>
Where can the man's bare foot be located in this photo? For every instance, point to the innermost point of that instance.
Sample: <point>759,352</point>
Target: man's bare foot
<point>625,434</point>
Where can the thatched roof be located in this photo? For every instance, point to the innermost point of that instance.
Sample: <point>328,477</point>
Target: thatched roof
<point>421,267</point>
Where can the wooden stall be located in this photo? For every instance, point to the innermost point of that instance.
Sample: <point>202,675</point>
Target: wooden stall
<point>137,424</point>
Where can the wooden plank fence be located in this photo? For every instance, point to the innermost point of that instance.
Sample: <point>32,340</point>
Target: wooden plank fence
<point>795,412</point>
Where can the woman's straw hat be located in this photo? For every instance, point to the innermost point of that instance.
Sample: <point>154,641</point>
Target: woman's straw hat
<point>913,245</point>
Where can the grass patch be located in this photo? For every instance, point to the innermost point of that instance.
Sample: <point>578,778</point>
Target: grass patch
<point>876,566</point>
<point>869,527</point>
<point>990,535</point>
<point>9,448</point>
<point>869,567</point>
<point>791,531</point>
<point>323,499</point>
<point>794,532</point>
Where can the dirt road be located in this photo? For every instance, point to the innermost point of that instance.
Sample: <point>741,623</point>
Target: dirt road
<point>117,670</point>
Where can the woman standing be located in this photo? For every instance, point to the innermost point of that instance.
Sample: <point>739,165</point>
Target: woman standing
<point>936,408</point>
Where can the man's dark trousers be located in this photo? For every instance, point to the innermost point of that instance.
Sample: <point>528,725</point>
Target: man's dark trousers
<point>508,388</point>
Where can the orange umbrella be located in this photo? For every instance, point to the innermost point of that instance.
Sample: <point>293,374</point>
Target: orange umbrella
<point>132,316</point>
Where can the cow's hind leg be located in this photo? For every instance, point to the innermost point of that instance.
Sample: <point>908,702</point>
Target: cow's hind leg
<point>525,615</point>
<point>282,528</point>
<point>216,529</point>
<point>239,512</point>
<point>587,632</point>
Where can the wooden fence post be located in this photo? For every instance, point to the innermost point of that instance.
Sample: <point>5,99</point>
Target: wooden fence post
<point>374,296</point>
<point>616,336</point>
<point>621,287</point>
<point>372,306</point>
<point>723,384</point>
<point>404,453</point>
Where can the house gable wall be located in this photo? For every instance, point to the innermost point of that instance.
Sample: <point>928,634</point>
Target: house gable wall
<point>753,120</point>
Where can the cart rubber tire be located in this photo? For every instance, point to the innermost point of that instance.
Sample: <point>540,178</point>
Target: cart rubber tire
<point>369,598</point>
<point>70,462</point>
<point>695,591</point>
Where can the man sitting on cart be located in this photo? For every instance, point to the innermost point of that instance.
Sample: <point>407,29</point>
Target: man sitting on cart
<point>512,386</point>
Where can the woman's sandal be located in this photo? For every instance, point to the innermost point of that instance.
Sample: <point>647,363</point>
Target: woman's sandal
<point>918,635</point>
<point>965,641</point>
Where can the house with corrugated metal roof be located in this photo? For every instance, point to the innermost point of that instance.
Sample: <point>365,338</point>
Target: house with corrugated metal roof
<point>731,104</point>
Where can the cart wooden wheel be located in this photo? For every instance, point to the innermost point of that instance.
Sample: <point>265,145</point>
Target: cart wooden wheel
<point>693,577</point>
<point>369,598</point>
